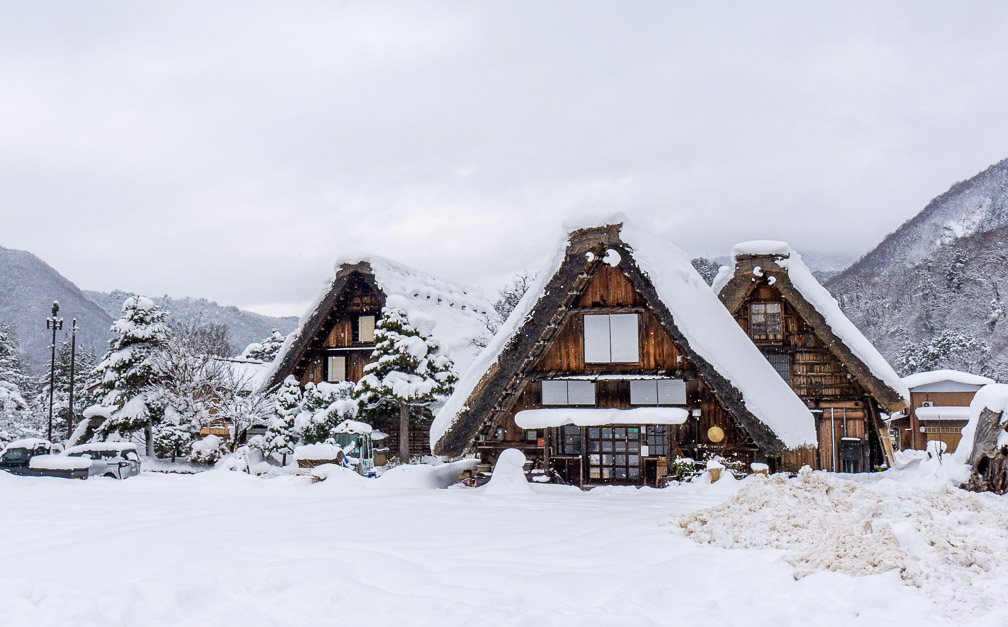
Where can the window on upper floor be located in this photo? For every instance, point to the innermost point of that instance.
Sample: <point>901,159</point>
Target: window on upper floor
<point>564,392</point>
<point>611,338</point>
<point>658,392</point>
<point>782,364</point>
<point>765,322</point>
<point>335,368</point>
<point>364,330</point>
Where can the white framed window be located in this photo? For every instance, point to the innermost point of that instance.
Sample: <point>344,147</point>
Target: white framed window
<point>563,392</point>
<point>365,329</point>
<point>335,368</point>
<point>611,338</point>
<point>658,392</point>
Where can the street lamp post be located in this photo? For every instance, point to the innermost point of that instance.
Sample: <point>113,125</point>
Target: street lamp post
<point>73,355</point>
<point>55,324</point>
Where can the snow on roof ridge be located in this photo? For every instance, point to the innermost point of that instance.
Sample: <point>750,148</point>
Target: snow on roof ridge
<point>761,247</point>
<point>764,393</point>
<point>934,376</point>
<point>822,300</point>
<point>811,290</point>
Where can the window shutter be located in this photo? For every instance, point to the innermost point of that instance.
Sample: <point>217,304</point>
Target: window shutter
<point>336,369</point>
<point>554,392</point>
<point>671,392</point>
<point>596,338</point>
<point>644,392</point>
<point>625,341</point>
<point>366,326</point>
<point>581,392</point>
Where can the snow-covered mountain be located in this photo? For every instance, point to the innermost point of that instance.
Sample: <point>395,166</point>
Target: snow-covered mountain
<point>28,286</point>
<point>244,327</point>
<point>940,280</point>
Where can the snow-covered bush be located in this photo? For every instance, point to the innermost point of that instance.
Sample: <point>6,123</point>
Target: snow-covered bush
<point>209,450</point>
<point>323,407</point>
<point>266,350</point>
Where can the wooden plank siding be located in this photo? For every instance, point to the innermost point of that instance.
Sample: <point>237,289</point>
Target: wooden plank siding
<point>609,291</point>
<point>842,407</point>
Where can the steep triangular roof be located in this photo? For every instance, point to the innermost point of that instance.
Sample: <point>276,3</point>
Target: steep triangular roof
<point>818,308</point>
<point>740,376</point>
<point>455,311</point>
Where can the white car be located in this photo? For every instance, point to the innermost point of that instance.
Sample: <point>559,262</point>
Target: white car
<point>117,460</point>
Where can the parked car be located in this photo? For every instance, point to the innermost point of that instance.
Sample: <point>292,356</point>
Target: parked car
<point>118,460</point>
<point>32,457</point>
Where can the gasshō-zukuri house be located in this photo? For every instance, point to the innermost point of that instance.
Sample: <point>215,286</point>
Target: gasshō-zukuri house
<point>799,328</point>
<point>618,360</point>
<point>335,337</point>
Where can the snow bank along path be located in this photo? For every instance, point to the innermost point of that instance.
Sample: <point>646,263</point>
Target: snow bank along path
<point>223,548</point>
<point>950,543</point>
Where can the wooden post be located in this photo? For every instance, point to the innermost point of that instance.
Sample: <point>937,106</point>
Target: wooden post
<point>404,432</point>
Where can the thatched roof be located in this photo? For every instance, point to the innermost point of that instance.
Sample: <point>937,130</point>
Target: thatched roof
<point>777,264</point>
<point>740,377</point>
<point>457,310</point>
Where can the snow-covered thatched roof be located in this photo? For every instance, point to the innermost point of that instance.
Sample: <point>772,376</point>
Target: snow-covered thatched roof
<point>714,342</point>
<point>453,312</point>
<point>785,270</point>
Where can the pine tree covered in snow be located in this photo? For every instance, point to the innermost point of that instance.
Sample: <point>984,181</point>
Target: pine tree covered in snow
<point>956,350</point>
<point>16,419</point>
<point>127,377</point>
<point>323,408</point>
<point>707,268</point>
<point>175,433</point>
<point>265,350</point>
<point>408,372</point>
<point>281,433</point>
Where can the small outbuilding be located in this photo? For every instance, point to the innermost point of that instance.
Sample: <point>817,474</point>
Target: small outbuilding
<point>939,408</point>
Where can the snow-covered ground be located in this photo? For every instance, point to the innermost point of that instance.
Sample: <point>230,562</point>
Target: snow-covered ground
<point>223,548</point>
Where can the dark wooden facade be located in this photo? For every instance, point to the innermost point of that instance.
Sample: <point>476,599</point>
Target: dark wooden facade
<point>846,401</point>
<point>551,347</point>
<point>334,330</point>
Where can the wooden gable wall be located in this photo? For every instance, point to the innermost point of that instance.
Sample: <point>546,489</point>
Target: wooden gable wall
<point>609,291</point>
<point>358,298</point>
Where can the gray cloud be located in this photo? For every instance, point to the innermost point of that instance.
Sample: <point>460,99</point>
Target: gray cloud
<point>234,150</point>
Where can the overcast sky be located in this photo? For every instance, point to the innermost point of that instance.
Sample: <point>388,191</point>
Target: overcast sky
<point>233,151</point>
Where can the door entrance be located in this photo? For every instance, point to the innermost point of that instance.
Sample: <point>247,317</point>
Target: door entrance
<point>614,454</point>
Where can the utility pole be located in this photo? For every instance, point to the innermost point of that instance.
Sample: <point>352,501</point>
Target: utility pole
<point>73,355</point>
<point>55,324</point>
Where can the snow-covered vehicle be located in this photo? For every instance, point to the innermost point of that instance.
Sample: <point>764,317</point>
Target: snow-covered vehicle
<point>118,460</point>
<point>352,445</point>
<point>31,457</point>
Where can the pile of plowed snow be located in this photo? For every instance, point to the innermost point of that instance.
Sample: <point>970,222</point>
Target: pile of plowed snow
<point>950,543</point>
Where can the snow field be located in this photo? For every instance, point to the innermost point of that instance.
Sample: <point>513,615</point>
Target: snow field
<point>222,548</point>
<point>949,543</point>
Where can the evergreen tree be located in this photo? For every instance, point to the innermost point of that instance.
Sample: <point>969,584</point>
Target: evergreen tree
<point>408,372</point>
<point>957,350</point>
<point>127,377</point>
<point>323,408</point>
<point>179,427</point>
<point>16,419</point>
<point>266,350</point>
<point>707,268</point>
<point>11,369</point>
<point>281,434</point>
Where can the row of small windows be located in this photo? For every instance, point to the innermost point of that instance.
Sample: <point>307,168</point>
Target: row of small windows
<point>765,322</point>
<point>642,392</point>
<point>617,440</point>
